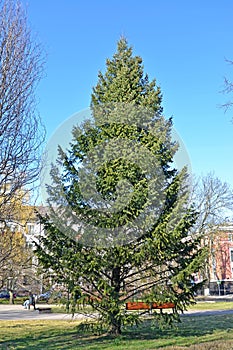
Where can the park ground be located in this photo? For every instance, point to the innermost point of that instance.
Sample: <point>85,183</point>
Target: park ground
<point>206,326</point>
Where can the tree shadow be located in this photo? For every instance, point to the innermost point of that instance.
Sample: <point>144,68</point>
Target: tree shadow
<point>190,326</point>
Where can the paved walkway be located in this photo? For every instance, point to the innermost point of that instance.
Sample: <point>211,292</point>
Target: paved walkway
<point>17,312</point>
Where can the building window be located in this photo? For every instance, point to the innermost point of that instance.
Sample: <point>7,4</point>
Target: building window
<point>30,229</point>
<point>231,255</point>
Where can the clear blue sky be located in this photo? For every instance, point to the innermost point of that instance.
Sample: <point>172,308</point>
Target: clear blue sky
<point>183,43</point>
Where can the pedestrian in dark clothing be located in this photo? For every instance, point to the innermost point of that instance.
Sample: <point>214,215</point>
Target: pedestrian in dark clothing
<point>32,301</point>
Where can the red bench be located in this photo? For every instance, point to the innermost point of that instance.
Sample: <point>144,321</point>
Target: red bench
<point>139,305</point>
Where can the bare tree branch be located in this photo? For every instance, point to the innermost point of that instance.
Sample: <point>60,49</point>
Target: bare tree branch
<point>21,132</point>
<point>214,202</point>
<point>228,89</point>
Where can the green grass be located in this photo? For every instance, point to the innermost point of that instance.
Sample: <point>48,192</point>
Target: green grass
<point>223,305</point>
<point>18,300</point>
<point>194,333</point>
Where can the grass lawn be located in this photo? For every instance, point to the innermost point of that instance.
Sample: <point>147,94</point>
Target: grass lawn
<point>194,333</point>
<point>212,305</point>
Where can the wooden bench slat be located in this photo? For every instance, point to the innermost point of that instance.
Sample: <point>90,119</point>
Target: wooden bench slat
<point>167,305</point>
<point>139,305</point>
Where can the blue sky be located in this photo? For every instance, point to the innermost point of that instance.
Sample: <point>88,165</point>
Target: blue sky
<point>184,45</point>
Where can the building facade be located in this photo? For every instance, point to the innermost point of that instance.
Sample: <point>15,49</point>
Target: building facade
<point>220,262</point>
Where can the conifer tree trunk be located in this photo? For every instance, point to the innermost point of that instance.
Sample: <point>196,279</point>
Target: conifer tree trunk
<point>115,325</point>
<point>114,317</point>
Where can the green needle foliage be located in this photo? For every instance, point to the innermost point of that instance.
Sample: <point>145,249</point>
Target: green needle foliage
<point>119,226</point>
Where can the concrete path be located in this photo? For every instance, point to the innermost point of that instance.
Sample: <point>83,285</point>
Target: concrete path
<point>17,312</point>
<point>207,312</point>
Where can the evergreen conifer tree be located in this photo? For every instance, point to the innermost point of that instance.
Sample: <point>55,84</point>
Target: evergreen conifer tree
<point>120,222</point>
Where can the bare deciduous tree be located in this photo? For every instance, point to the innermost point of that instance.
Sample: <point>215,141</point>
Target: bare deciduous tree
<point>21,132</point>
<point>214,202</point>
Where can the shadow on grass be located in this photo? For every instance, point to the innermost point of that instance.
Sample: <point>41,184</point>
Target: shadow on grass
<point>57,339</point>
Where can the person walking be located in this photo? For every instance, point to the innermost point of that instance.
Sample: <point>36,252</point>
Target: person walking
<point>26,304</point>
<point>32,301</point>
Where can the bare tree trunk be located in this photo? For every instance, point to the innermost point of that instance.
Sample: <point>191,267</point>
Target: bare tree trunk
<point>11,299</point>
